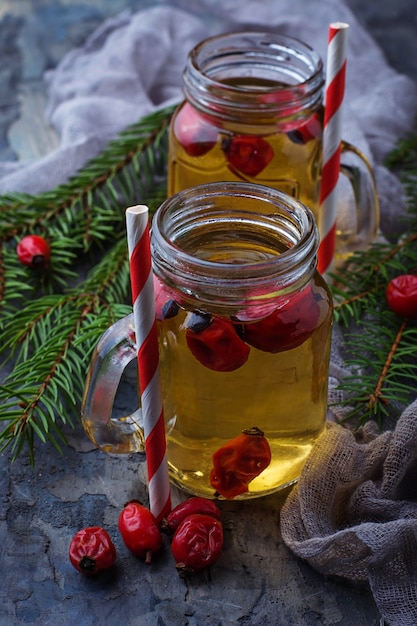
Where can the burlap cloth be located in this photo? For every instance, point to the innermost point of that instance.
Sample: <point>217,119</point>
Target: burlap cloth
<point>352,514</point>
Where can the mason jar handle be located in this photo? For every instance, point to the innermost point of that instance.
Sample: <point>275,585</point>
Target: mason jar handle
<point>359,173</point>
<point>115,350</point>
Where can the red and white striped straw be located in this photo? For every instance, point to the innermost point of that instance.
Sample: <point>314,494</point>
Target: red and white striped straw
<point>332,135</point>
<point>141,278</point>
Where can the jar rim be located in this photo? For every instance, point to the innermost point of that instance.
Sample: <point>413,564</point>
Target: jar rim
<point>253,54</point>
<point>288,219</point>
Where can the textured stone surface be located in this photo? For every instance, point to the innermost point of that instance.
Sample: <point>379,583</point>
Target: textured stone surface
<point>257,582</point>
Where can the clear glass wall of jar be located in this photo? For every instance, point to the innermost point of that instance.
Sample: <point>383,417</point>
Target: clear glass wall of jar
<point>244,324</point>
<point>253,111</point>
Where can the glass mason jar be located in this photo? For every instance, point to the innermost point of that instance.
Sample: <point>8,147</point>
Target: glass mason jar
<point>244,322</point>
<point>253,111</point>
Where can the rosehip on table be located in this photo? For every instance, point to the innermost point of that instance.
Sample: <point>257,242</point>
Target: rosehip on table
<point>139,530</point>
<point>195,504</point>
<point>401,295</point>
<point>239,461</point>
<point>34,251</point>
<point>197,543</point>
<point>91,551</point>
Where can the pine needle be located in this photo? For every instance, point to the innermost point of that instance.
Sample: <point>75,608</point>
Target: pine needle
<point>381,347</point>
<point>51,321</point>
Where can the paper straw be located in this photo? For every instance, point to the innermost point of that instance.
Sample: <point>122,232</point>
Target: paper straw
<point>332,130</point>
<point>138,239</point>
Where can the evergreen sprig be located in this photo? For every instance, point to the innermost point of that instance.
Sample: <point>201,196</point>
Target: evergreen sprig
<point>86,213</point>
<point>359,286</point>
<point>382,356</point>
<point>50,341</point>
<point>381,348</point>
<point>50,322</point>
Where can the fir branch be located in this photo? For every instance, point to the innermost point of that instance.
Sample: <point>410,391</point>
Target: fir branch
<point>51,340</point>
<point>404,155</point>
<point>138,152</point>
<point>384,368</point>
<point>382,347</point>
<point>359,286</point>
<point>50,324</point>
<point>87,212</point>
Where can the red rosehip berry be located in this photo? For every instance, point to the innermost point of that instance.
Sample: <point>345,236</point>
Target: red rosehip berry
<point>34,251</point>
<point>287,327</point>
<point>139,530</point>
<point>91,551</point>
<point>197,543</point>
<point>401,295</point>
<point>216,344</point>
<point>239,461</point>
<point>308,130</point>
<point>193,132</point>
<point>192,505</point>
<point>165,305</point>
<point>248,154</point>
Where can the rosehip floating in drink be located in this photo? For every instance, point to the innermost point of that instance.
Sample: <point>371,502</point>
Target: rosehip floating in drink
<point>287,327</point>
<point>239,461</point>
<point>194,134</point>
<point>310,130</point>
<point>165,305</point>
<point>248,154</point>
<point>218,346</point>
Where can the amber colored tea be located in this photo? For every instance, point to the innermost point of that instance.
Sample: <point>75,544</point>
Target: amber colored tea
<point>277,384</point>
<point>253,112</point>
<point>244,325</point>
<point>284,154</point>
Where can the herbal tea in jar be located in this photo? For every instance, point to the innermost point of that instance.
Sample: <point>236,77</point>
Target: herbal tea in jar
<point>244,325</point>
<point>253,111</point>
